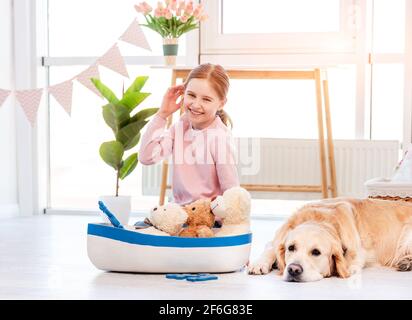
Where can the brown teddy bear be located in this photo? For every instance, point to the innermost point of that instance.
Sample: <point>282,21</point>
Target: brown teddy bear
<point>200,220</point>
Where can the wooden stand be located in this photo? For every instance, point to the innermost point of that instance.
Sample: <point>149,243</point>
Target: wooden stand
<point>312,74</point>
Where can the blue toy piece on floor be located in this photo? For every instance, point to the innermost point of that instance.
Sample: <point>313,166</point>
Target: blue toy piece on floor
<point>202,277</point>
<point>191,277</point>
<point>178,276</point>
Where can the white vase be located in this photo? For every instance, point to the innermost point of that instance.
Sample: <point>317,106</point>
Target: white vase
<point>120,206</point>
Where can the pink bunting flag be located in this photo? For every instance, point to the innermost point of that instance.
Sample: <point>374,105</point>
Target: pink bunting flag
<point>84,78</point>
<point>134,35</point>
<point>3,96</point>
<point>113,60</point>
<point>63,93</point>
<point>30,101</point>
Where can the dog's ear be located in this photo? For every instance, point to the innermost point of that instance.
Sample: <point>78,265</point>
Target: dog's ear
<point>280,257</point>
<point>340,266</point>
<point>280,246</point>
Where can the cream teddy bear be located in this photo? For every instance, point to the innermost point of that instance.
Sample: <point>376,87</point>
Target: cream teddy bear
<point>166,220</point>
<point>233,207</point>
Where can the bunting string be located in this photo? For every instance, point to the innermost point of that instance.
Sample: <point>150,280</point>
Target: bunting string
<point>29,100</point>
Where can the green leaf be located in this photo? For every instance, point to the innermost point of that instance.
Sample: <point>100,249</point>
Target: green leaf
<point>115,116</point>
<point>105,91</point>
<point>187,28</point>
<point>129,135</point>
<point>155,25</point>
<point>133,142</point>
<point>112,152</point>
<point>143,114</point>
<point>132,99</point>
<point>137,84</point>
<point>179,28</point>
<point>128,166</point>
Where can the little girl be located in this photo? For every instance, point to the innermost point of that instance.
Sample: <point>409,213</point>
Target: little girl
<point>200,142</point>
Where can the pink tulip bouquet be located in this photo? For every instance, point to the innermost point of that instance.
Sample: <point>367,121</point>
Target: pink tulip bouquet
<point>172,18</point>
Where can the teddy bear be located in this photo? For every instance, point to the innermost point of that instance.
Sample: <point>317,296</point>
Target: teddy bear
<point>200,220</point>
<point>233,208</point>
<point>166,220</point>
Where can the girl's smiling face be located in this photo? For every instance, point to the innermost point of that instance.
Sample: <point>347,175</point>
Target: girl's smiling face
<point>201,103</point>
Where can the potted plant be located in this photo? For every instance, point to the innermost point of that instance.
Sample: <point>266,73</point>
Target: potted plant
<point>171,19</point>
<point>117,114</point>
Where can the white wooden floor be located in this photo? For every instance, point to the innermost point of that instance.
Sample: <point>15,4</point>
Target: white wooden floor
<point>45,257</point>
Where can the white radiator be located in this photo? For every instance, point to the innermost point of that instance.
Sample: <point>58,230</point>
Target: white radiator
<point>296,162</point>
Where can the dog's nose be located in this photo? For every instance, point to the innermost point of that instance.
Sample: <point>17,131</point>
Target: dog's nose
<point>295,269</point>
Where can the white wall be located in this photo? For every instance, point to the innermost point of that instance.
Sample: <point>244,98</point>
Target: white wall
<point>8,171</point>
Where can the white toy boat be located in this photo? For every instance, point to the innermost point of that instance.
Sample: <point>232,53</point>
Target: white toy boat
<point>115,249</point>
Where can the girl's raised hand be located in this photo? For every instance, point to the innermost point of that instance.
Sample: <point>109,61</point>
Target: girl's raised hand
<point>169,105</point>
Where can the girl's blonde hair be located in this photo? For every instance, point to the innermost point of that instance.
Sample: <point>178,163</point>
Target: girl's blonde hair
<point>218,79</point>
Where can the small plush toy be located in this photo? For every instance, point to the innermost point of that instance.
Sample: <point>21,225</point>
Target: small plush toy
<point>200,220</point>
<point>233,207</point>
<point>166,220</point>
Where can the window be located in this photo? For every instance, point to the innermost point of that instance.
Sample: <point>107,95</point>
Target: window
<point>78,33</point>
<point>89,28</point>
<point>279,26</point>
<point>287,108</point>
<point>387,101</point>
<point>387,70</point>
<point>388,26</point>
<point>284,16</point>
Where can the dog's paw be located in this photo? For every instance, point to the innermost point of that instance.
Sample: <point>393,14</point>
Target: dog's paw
<point>355,269</point>
<point>259,267</point>
<point>405,264</point>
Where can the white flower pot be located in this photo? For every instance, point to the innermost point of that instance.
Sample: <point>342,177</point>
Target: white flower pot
<point>120,206</point>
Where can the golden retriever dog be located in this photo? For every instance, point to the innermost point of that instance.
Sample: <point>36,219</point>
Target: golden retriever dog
<point>340,237</point>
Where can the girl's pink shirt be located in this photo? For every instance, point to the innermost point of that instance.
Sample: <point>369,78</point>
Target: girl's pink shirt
<point>203,161</point>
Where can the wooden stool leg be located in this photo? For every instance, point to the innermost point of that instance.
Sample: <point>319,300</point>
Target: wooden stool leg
<point>165,169</point>
<point>165,165</point>
<point>321,135</point>
<point>331,152</point>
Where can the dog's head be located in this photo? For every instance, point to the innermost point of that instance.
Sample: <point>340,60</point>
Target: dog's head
<point>309,252</point>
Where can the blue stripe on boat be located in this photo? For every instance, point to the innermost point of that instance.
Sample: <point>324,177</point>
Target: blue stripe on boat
<point>128,236</point>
